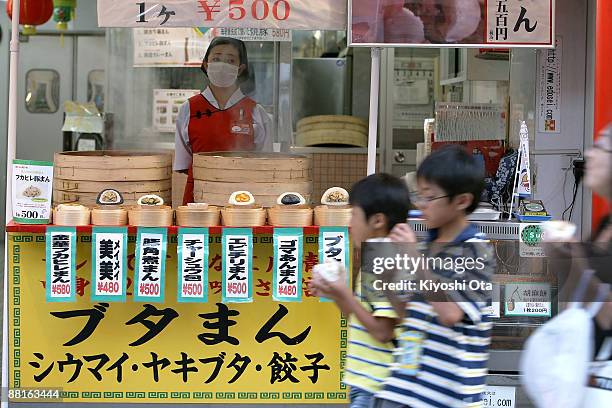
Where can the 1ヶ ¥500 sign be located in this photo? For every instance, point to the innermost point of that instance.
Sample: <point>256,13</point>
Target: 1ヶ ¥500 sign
<point>285,14</point>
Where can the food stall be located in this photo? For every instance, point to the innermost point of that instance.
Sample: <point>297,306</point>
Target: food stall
<point>138,304</point>
<point>216,359</point>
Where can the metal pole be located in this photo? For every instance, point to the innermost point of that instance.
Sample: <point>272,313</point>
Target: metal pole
<point>10,156</point>
<point>374,94</point>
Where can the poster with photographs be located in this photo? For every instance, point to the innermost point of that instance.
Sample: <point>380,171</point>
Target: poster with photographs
<point>166,105</point>
<point>452,23</point>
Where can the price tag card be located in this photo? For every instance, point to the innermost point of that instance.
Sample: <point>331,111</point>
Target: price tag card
<point>192,265</point>
<point>288,251</point>
<point>109,270</point>
<point>334,247</point>
<point>237,261</point>
<point>150,271</point>
<point>32,186</point>
<point>527,299</point>
<point>61,264</point>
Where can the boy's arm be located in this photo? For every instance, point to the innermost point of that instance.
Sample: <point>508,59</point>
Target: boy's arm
<point>380,327</point>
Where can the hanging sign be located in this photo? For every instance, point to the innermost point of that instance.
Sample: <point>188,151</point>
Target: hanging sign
<point>184,47</point>
<point>169,47</point>
<point>109,270</point>
<point>524,184</point>
<point>549,89</point>
<point>283,14</point>
<point>150,272</point>
<point>166,105</point>
<point>32,187</point>
<point>254,34</point>
<point>527,299</point>
<point>449,23</point>
<point>192,261</point>
<point>237,265</point>
<point>61,264</point>
<point>288,250</point>
<point>334,247</point>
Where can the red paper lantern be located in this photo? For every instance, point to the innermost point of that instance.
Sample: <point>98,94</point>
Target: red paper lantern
<point>31,13</point>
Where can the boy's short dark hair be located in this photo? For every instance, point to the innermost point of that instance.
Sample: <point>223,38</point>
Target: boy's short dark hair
<point>455,171</point>
<point>382,193</point>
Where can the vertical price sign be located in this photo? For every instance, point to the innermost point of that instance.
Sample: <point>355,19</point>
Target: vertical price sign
<point>61,264</point>
<point>150,271</point>
<point>288,252</point>
<point>192,265</point>
<point>109,270</point>
<point>237,266</point>
<point>334,247</point>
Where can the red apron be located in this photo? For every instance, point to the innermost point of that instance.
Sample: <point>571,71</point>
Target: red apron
<point>215,130</point>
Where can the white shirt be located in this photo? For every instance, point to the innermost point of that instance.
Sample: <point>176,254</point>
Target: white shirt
<point>262,126</point>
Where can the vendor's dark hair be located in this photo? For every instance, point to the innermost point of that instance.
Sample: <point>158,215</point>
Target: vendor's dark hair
<point>455,171</point>
<point>382,193</point>
<point>242,54</point>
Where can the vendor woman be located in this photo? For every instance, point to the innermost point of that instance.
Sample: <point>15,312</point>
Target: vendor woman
<point>221,118</point>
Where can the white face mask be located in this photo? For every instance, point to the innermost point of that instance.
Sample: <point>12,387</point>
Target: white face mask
<point>222,74</point>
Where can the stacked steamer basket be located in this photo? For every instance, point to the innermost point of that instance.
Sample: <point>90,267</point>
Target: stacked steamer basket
<point>80,176</point>
<point>332,130</point>
<point>198,215</point>
<point>266,175</point>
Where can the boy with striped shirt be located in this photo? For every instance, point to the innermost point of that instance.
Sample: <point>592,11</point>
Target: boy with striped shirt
<point>446,339</point>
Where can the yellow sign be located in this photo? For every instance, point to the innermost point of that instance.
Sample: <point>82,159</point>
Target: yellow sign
<point>259,352</point>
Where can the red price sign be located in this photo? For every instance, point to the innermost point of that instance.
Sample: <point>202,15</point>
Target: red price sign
<point>260,10</point>
<point>110,288</point>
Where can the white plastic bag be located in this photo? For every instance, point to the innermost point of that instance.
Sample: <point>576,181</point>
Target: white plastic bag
<point>555,361</point>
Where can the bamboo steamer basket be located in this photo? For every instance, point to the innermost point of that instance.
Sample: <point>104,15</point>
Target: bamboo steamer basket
<point>326,119</point>
<point>332,129</point>
<point>80,176</point>
<point>290,216</point>
<point>109,216</point>
<point>243,217</point>
<point>192,217</point>
<point>330,216</point>
<point>71,218</point>
<point>331,136</point>
<point>266,175</point>
<point>150,216</point>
